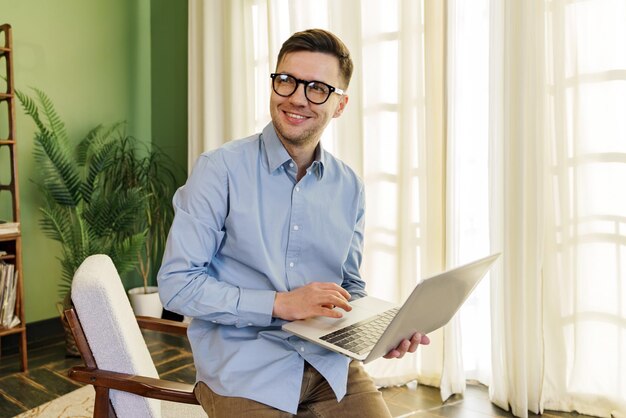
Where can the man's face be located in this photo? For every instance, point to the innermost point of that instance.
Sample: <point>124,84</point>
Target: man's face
<point>297,121</point>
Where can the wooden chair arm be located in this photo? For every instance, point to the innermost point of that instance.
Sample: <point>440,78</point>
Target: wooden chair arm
<point>140,385</point>
<point>162,325</point>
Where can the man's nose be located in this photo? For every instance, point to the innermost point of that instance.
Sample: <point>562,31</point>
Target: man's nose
<point>299,96</point>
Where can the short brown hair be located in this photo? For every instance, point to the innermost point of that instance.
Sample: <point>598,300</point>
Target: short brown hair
<point>320,40</point>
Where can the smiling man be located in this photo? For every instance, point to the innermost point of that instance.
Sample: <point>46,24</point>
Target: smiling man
<point>269,229</point>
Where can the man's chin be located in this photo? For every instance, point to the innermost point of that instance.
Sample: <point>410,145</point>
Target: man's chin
<point>295,137</point>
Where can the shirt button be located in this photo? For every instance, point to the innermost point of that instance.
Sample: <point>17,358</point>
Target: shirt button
<point>297,189</point>
<point>249,324</point>
<point>291,264</point>
<point>291,165</point>
<point>296,227</point>
<point>302,349</point>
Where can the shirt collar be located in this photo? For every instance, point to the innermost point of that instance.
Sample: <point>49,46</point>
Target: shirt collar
<point>277,155</point>
<point>318,162</point>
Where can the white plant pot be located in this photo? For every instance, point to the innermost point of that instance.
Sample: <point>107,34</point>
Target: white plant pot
<point>146,304</point>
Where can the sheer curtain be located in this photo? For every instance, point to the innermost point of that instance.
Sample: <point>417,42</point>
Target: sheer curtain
<point>585,277</point>
<point>557,161</point>
<point>478,126</point>
<point>517,164</point>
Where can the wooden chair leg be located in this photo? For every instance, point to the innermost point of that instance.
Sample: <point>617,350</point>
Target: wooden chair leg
<point>112,413</point>
<point>102,404</point>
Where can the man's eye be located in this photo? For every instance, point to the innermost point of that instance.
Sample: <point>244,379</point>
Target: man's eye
<point>318,88</point>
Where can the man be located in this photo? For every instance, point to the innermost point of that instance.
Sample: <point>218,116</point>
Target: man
<point>267,229</point>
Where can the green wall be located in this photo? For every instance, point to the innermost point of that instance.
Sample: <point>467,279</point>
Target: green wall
<point>169,78</point>
<point>99,62</point>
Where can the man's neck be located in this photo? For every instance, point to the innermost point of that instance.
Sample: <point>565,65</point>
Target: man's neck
<point>302,155</point>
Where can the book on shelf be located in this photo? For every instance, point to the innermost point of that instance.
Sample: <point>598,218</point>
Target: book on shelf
<point>7,228</point>
<point>8,295</point>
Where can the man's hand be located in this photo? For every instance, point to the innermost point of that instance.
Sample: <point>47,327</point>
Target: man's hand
<point>314,299</point>
<point>408,346</point>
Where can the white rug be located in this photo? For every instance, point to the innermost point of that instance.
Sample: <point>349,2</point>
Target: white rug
<point>76,404</point>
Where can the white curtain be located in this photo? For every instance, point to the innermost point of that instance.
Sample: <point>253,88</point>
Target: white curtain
<point>518,158</point>
<point>223,70</point>
<point>467,202</point>
<point>478,126</point>
<point>558,163</point>
<point>584,275</point>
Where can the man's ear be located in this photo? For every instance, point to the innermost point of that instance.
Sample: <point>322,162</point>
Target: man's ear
<point>343,101</point>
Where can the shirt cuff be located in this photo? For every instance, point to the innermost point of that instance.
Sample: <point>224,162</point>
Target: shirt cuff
<point>255,307</point>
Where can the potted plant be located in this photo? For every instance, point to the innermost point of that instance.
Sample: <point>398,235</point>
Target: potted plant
<point>151,169</point>
<point>79,208</point>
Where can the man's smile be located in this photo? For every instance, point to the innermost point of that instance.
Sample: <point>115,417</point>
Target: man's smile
<point>293,115</point>
<point>295,118</point>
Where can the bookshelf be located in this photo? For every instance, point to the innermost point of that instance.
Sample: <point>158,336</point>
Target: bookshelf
<point>10,240</point>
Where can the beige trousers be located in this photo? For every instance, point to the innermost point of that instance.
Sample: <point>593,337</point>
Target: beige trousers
<point>317,399</point>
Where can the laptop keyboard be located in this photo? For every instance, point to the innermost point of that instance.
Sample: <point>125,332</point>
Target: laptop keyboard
<point>361,336</point>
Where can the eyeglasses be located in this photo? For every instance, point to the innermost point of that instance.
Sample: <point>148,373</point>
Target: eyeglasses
<point>315,92</point>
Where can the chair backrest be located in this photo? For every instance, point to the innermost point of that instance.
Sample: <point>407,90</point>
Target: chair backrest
<point>112,331</point>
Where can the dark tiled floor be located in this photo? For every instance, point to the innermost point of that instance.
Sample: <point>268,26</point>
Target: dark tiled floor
<point>46,380</point>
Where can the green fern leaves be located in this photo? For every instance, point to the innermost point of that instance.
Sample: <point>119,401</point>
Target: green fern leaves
<point>85,209</point>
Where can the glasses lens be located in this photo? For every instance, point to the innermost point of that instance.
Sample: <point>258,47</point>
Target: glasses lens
<point>284,85</point>
<point>317,92</point>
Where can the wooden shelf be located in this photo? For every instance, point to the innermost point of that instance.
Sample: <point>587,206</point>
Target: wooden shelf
<point>11,331</point>
<point>12,243</point>
<point>9,237</point>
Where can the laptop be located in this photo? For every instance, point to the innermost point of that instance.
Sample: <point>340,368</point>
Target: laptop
<point>373,327</point>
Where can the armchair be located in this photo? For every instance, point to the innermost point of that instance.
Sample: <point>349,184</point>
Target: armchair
<point>117,361</point>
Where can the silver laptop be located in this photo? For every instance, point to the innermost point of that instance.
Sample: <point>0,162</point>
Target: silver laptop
<point>374,327</point>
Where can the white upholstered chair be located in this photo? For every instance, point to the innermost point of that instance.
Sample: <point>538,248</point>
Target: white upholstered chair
<point>118,363</point>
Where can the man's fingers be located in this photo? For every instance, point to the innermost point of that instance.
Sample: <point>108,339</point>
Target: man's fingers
<point>314,299</point>
<point>339,302</point>
<point>404,347</point>
<point>415,342</point>
<point>330,296</point>
<point>408,346</point>
<point>344,293</point>
<point>334,286</point>
<point>399,351</point>
<point>331,313</point>
<point>392,354</point>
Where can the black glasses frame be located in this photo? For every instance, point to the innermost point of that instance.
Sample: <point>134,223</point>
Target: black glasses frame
<point>306,83</point>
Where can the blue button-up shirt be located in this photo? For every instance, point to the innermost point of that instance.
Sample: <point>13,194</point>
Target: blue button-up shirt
<point>245,229</point>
